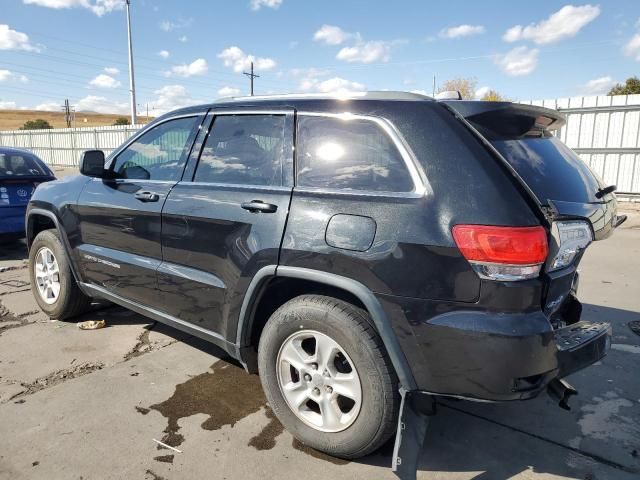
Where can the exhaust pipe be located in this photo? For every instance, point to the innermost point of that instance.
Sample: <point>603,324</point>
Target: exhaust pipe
<point>560,391</point>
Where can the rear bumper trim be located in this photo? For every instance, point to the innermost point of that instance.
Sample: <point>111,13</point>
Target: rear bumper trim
<point>580,345</point>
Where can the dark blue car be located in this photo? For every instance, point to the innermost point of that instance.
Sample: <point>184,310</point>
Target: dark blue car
<point>20,173</point>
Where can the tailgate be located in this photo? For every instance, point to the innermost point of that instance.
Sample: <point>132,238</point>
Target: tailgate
<point>580,207</point>
<point>16,193</point>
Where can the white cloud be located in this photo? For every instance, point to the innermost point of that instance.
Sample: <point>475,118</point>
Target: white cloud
<point>481,92</point>
<point>565,23</point>
<point>331,35</point>
<point>48,107</point>
<point>462,31</point>
<point>99,7</point>
<point>171,97</point>
<point>258,4</point>
<point>331,85</point>
<point>93,103</point>
<point>519,61</point>
<point>366,52</point>
<point>632,48</point>
<point>229,92</point>
<point>183,39</point>
<point>164,53</point>
<point>235,58</point>
<point>360,51</point>
<point>169,25</point>
<point>104,81</point>
<point>112,70</point>
<point>14,40</point>
<point>8,105</point>
<point>6,75</point>
<point>197,67</point>
<point>598,85</point>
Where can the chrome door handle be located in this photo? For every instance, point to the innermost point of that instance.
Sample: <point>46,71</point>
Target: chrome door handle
<point>146,196</point>
<point>258,206</point>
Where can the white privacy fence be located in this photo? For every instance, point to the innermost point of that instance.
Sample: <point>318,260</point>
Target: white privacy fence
<point>63,146</point>
<point>604,131</point>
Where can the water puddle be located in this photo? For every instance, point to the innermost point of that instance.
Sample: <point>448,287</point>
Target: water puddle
<point>266,439</point>
<point>226,395</point>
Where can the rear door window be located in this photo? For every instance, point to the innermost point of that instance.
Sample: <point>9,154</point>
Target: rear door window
<point>349,154</point>
<point>244,150</point>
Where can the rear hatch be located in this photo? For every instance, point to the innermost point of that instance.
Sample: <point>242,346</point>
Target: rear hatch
<point>578,206</point>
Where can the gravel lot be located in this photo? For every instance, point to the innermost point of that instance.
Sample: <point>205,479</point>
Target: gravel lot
<point>88,404</point>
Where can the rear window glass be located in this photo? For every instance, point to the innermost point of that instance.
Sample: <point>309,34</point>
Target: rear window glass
<point>20,165</point>
<point>550,168</point>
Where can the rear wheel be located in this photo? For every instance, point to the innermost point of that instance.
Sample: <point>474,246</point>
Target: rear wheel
<point>327,376</point>
<point>52,282</point>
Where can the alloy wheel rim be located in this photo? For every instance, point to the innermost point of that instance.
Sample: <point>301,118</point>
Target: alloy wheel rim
<point>319,381</point>
<point>47,275</point>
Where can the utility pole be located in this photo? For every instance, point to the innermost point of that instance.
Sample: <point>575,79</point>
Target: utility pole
<point>251,76</point>
<point>132,84</point>
<point>434,86</point>
<point>69,113</point>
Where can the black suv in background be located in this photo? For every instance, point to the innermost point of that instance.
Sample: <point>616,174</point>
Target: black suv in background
<point>347,249</point>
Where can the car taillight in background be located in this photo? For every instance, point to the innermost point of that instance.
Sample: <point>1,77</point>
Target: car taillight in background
<point>571,237</point>
<point>503,253</point>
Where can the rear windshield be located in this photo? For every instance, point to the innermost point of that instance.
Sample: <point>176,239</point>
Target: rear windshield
<point>550,169</point>
<point>20,165</point>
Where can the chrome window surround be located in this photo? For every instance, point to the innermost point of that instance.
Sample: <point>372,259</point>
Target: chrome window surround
<point>420,184</point>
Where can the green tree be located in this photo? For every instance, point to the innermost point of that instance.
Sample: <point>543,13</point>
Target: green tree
<point>630,87</point>
<point>466,87</point>
<point>493,96</point>
<point>122,121</point>
<point>37,124</point>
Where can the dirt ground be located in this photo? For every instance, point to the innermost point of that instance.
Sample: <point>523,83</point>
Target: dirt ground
<point>92,404</point>
<point>14,119</point>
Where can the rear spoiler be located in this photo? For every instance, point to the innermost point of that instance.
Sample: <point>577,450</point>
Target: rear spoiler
<point>507,119</point>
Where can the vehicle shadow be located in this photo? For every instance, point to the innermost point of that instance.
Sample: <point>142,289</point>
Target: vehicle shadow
<point>13,250</point>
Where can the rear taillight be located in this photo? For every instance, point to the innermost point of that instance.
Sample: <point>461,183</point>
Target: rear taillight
<point>503,253</point>
<point>571,237</point>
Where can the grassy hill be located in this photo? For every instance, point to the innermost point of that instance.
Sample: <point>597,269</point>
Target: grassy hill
<point>14,119</point>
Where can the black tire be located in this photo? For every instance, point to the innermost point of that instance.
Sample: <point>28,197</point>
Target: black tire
<point>351,328</point>
<point>71,301</point>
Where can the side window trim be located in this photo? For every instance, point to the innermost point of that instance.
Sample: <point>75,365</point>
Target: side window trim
<point>288,163</point>
<point>417,177</point>
<point>110,162</point>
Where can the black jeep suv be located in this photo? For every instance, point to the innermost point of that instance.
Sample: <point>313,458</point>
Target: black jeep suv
<point>351,250</point>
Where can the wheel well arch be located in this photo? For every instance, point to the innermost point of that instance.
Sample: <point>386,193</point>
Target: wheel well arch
<point>36,223</point>
<point>270,290</point>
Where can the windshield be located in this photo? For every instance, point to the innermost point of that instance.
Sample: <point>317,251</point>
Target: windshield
<point>550,169</point>
<point>14,165</point>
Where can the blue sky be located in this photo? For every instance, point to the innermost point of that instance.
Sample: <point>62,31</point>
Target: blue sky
<point>194,51</point>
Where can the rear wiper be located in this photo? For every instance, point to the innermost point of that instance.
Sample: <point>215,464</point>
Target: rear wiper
<point>605,191</point>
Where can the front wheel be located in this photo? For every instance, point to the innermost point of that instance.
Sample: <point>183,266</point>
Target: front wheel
<point>52,282</point>
<point>327,376</point>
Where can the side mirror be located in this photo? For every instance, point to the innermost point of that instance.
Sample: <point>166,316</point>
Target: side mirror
<point>92,163</point>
